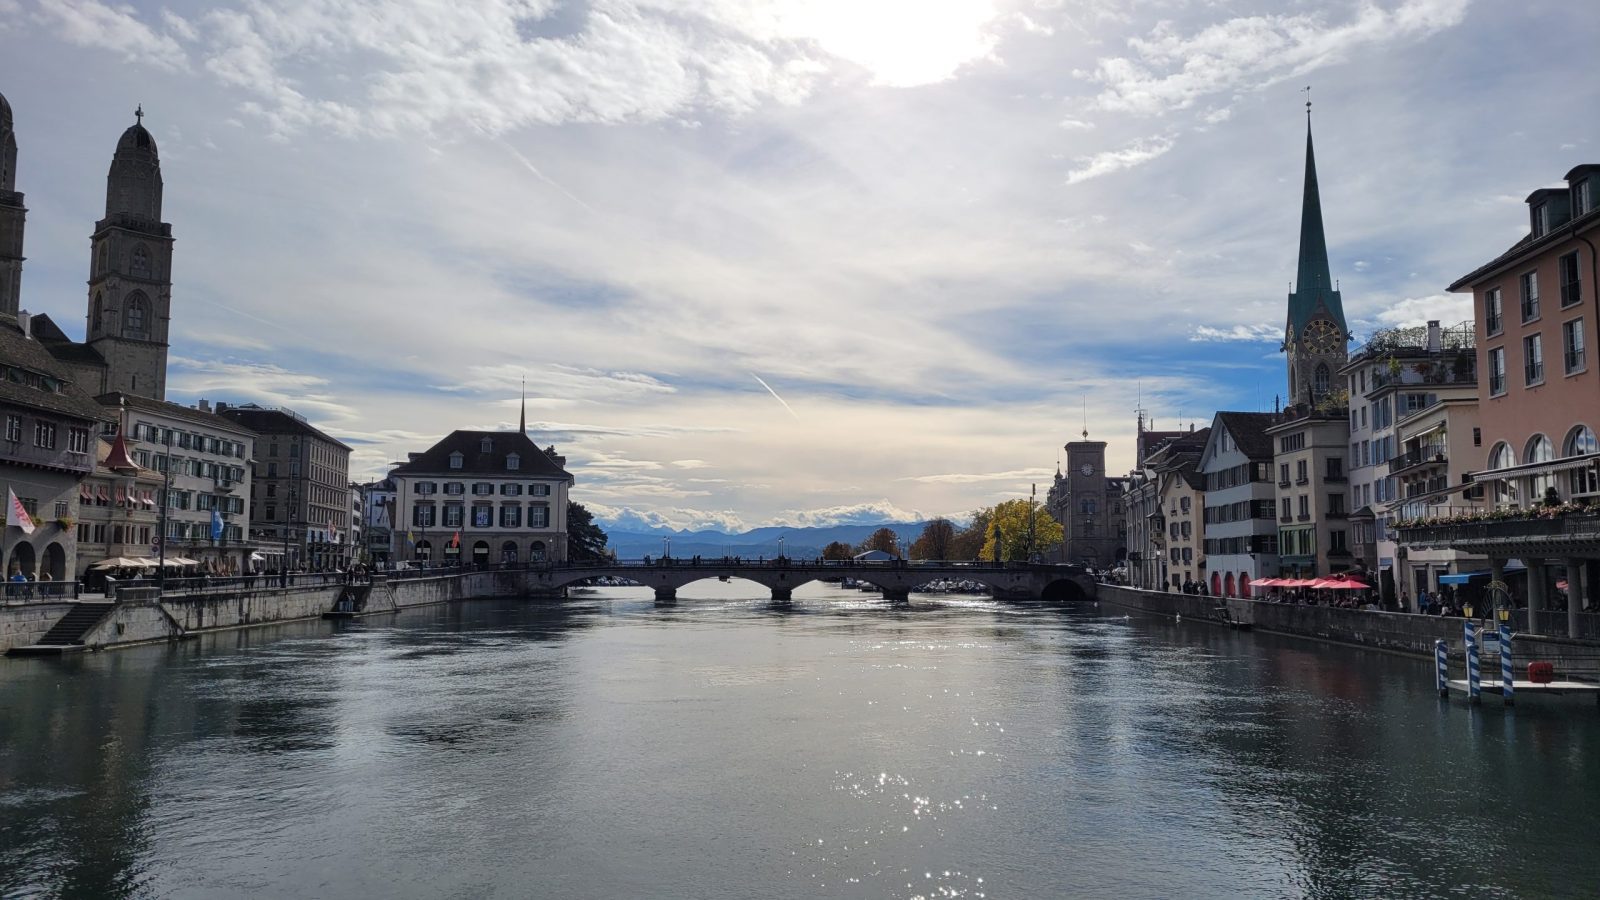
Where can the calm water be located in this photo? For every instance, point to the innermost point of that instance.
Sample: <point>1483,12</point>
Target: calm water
<point>609,748</point>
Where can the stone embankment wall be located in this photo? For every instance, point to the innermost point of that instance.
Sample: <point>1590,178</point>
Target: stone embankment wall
<point>1401,632</point>
<point>141,617</point>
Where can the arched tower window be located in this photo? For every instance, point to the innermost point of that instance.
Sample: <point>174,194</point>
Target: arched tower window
<point>1319,381</point>
<point>140,264</point>
<point>97,317</point>
<point>135,316</point>
<point>1581,442</point>
<point>103,262</point>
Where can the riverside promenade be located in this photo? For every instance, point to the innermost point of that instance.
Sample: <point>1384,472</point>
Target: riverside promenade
<point>1407,633</point>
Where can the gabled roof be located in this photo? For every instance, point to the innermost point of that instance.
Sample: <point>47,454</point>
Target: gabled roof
<point>1526,246</point>
<point>533,461</point>
<point>32,356</point>
<point>1249,432</point>
<point>47,332</point>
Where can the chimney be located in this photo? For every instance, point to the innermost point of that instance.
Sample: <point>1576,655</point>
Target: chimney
<point>25,322</point>
<point>1435,339</point>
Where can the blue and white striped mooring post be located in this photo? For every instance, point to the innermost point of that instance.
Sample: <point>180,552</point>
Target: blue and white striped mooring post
<point>1474,677</point>
<point>1441,666</point>
<point>1507,675</point>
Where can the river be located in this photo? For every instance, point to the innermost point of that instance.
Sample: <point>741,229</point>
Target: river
<point>607,747</point>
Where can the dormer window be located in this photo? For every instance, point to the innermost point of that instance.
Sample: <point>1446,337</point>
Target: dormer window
<point>1582,202</point>
<point>486,446</point>
<point>1541,219</point>
<point>513,462</point>
<point>456,460</point>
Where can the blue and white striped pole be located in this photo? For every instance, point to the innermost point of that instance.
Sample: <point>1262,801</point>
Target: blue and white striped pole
<point>1474,677</point>
<point>1507,675</point>
<point>1441,667</point>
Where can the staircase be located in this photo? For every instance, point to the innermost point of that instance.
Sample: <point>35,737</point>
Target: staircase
<point>68,633</point>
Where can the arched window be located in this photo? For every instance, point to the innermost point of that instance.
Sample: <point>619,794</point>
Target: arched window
<point>508,552</point>
<point>1505,492</point>
<point>104,259</point>
<point>1581,442</point>
<point>98,312</point>
<point>424,550</point>
<point>1540,450</point>
<point>1319,381</point>
<point>536,551</point>
<point>139,265</point>
<point>1244,585</point>
<point>135,314</point>
<point>1227,585</point>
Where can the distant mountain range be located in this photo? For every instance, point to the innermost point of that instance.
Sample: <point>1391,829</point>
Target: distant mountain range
<point>797,542</point>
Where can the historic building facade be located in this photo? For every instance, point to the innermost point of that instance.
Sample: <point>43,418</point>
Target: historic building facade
<point>300,508</point>
<point>482,497</point>
<point>1241,531</point>
<point>1089,505</point>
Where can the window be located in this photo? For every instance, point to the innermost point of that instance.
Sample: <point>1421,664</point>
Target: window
<point>511,490</point>
<point>1336,542</point>
<point>78,440</point>
<point>1497,371</point>
<point>425,488</point>
<point>1541,219</point>
<point>456,460</point>
<point>1335,504</point>
<point>1305,506</point>
<point>1283,474</point>
<point>1571,284</point>
<point>14,429</point>
<point>1301,468</point>
<point>454,488</point>
<point>1335,467</point>
<point>1319,380</point>
<point>44,435</point>
<point>510,516</point>
<point>538,517</point>
<point>1581,201</point>
<point>1183,504</point>
<point>513,462</point>
<point>272,490</point>
<point>538,490</point>
<point>422,514</point>
<point>1288,509</point>
<point>139,265</point>
<point>272,470</point>
<point>453,515</point>
<point>1533,359</point>
<point>482,489</point>
<point>482,516</point>
<point>1477,437</point>
<point>272,512</point>
<point>134,314</point>
<point>1539,450</point>
<point>1530,296</point>
<point>1581,442</point>
<point>1572,346</point>
<point>1291,442</point>
<point>1492,309</point>
<point>486,446</point>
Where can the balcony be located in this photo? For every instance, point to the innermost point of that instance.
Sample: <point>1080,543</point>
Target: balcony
<point>1338,514</point>
<point>1419,456</point>
<point>1543,533</point>
<point>1333,478</point>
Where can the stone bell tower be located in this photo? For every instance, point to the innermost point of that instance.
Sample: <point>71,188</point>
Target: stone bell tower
<point>1315,337</point>
<point>12,216</point>
<point>130,271</point>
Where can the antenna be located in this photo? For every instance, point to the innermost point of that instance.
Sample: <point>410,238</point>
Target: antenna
<point>1086,417</point>
<point>1307,91</point>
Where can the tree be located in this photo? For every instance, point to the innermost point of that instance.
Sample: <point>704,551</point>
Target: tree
<point>837,550</point>
<point>883,539</point>
<point>1024,528</point>
<point>937,540</point>
<point>969,541</point>
<point>586,542</point>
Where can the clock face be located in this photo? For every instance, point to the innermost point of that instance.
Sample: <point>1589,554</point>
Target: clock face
<point>1322,336</point>
<point>1087,469</point>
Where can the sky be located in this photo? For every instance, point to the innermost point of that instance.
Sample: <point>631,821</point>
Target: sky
<point>784,261</point>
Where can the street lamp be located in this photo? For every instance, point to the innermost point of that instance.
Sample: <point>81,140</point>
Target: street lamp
<point>166,499</point>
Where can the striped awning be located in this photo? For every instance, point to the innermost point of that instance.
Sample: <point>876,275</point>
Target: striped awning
<point>1565,464</point>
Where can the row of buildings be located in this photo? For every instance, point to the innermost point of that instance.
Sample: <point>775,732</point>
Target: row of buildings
<point>1426,459</point>
<point>104,467</point>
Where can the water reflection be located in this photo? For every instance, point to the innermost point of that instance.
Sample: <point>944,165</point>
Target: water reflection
<point>609,747</point>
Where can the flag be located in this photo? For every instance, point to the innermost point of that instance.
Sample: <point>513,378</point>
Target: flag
<point>455,539</point>
<point>17,514</point>
<point>216,524</point>
<point>411,537</point>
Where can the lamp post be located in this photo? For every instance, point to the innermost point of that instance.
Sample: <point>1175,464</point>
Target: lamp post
<point>166,500</point>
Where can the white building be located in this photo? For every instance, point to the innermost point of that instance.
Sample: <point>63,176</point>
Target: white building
<point>1241,530</point>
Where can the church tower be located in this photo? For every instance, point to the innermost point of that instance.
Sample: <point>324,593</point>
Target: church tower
<point>12,214</point>
<point>130,271</point>
<point>1316,337</point>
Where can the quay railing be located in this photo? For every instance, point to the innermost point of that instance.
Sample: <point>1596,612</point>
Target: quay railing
<point>16,593</point>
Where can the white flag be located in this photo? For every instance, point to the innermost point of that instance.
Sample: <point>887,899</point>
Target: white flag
<point>17,514</point>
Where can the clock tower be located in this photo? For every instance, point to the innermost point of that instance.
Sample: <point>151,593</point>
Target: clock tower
<point>1316,337</point>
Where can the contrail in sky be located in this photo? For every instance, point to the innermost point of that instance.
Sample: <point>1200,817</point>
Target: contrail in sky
<point>775,395</point>
<point>543,177</point>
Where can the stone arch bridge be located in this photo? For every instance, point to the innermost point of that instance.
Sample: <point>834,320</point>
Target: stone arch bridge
<point>1008,581</point>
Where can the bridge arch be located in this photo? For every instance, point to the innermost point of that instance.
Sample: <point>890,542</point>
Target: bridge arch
<point>1064,590</point>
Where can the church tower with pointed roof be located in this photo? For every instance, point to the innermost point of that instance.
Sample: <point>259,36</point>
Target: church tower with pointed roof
<point>130,271</point>
<point>12,217</point>
<point>1316,337</point>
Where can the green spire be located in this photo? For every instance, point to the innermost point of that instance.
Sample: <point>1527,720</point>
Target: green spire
<point>1313,285</point>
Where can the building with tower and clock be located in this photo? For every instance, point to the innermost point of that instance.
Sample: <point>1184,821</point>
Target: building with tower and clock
<point>1088,504</point>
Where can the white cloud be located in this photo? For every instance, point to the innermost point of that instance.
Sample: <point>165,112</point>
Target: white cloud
<point>872,513</point>
<point>979,477</point>
<point>1134,154</point>
<point>90,23</point>
<point>1448,309</point>
<point>1258,332</point>
<point>1169,70</point>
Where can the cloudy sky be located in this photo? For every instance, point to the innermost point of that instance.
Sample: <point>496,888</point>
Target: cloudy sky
<point>766,261</point>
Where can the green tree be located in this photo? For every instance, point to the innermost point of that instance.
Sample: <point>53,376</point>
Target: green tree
<point>883,539</point>
<point>937,541</point>
<point>1024,528</point>
<point>586,542</point>
<point>837,550</point>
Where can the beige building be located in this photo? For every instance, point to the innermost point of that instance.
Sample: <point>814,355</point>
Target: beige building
<point>1180,499</point>
<point>481,498</point>
<point>117,507</point>
<point>1437,444</point>
<point>1313,501</point>
<point>300,503</point>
